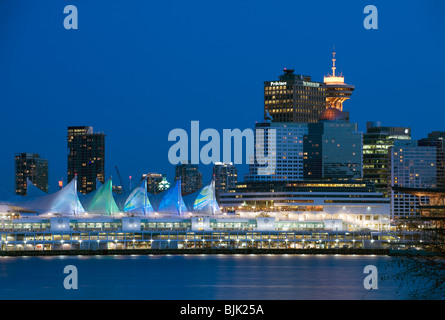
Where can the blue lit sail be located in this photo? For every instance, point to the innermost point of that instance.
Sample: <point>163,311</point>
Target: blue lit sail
<point>172,201</point>
<point>138,202</point>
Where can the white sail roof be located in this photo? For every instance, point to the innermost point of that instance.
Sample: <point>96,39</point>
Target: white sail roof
<point>64,201</point>
<point>68,201</point>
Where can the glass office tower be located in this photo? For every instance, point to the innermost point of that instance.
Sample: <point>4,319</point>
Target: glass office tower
<point>294,98</point>
<point>332,148</point>
<point>412,166</point>
<point>376,156</point>
<point>286,155</point>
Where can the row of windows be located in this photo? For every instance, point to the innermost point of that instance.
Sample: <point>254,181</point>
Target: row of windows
<point>298,235</point>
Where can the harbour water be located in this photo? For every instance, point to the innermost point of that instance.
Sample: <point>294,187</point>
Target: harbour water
<point>196,277</point>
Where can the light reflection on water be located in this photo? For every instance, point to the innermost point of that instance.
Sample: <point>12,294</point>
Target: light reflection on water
<point>194,277</point>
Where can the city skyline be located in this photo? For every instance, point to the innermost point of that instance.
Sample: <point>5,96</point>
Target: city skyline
<point>122,99</point>
<point>228,151</point>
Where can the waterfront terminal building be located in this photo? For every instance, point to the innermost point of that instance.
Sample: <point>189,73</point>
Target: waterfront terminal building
<point>325,204</point>
<point>296,216</point>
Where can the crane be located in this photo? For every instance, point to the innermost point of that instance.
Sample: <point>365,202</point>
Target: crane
<point>120,179</point>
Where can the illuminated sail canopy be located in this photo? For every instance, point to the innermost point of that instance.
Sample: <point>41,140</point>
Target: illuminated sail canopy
<point>136,201</point>
<point>203,201</point>
<point>103,201</point>
<point>171,200</point>
<point>64,201</point>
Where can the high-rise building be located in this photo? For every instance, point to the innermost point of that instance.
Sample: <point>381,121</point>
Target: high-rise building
<point>337,91</point>
<point>286,156</point>
<point>376,157</point>
<point>86,157</point>
<point>412,166</point>
<point>332,148</point>
<point>153,180</point>
<point>191,178</point>
<point>294,98</point>
<point>437,139</point>
<point>30,166</point>
<point>226,176</point>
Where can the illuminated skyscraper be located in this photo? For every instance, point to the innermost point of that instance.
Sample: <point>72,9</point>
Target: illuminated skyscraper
<point>332,148</point>
<point>376,155</point>
<point>286,155</point>
<point>86,157</point>
<point>191,178</point>
<point>437,139</point>
<point>30,166</point>
<point>294,98</point>
<point>413,165</point>
<point>226,177</point>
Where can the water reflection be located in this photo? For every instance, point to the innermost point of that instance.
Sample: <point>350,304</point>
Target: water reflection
<point>195,277</point>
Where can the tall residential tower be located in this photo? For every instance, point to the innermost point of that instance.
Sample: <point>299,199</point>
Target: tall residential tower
<point>191,178</point>
<point>30,166</point>
<point>86,157</point>
<point>226,176</point>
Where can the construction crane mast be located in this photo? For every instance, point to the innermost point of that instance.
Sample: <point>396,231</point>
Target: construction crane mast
<point>120,179</point>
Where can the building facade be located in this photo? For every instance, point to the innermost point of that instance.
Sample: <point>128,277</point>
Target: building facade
<point>128,233</point>
<point>30,166</point>
<point>412,166</point>
<point>191,178</point>
<point>437,139</point>
<point>225,175</point>
<point>377,142</point>
<point>286,156</point>
<point>294,98</point>
<point>332,148</point>
<point>353,204</point>
<point>86,157</point>
<point>153,181</point>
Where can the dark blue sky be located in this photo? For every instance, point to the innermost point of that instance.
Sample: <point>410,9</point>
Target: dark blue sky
<point>138,69</point>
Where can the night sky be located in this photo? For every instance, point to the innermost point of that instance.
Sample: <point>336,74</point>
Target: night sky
<point>137,69</point>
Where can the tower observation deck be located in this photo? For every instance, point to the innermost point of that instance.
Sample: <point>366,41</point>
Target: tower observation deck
<point>337,91</point>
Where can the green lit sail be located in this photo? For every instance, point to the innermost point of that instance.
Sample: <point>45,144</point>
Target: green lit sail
<point>103,201</point>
